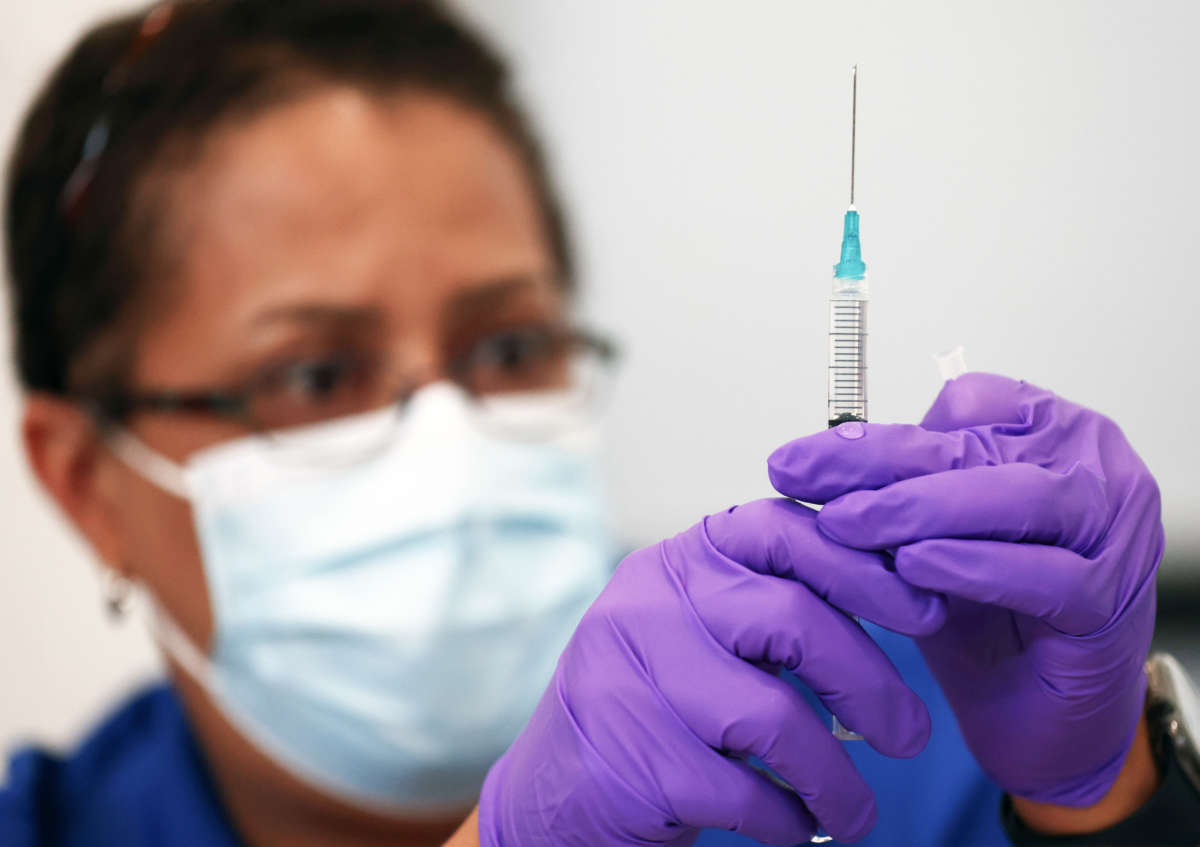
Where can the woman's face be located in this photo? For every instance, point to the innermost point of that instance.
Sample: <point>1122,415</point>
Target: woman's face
<point>340,224</point>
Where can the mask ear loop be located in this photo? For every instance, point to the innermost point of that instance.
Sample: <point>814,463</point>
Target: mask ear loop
<point>148,463</point>
<point>179,647</point>
<point>120,593</point>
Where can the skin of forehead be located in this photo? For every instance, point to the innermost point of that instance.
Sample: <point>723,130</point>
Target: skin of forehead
<point>342,197</point>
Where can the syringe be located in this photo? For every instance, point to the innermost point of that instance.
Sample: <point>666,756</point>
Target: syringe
<point>847,356</point>
<point>848,325</point>
<point>848,307</point>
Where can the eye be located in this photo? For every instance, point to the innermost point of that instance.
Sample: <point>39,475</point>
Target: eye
<point>515,349</point>
<point>319,379</point>
<point>521,359</point>
<point>318,388</point>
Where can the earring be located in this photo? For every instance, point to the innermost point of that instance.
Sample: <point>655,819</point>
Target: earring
<point>117,592</point>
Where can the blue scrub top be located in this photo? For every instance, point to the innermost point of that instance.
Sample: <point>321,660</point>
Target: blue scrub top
<point>139,781</point>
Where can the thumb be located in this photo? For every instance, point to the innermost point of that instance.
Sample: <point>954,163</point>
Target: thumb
<point>980,399</point>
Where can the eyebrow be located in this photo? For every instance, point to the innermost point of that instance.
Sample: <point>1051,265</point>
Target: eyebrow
<point>462,306</point>
<point>320,313</point>
<point>481,299</point>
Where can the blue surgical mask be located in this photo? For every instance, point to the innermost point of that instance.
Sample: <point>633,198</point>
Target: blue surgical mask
<point>383,629</point>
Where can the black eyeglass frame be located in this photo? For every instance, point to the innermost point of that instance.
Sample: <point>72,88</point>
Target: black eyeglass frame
<point>236,403</point>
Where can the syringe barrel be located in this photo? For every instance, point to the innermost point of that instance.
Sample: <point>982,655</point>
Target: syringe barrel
<point>847,360</point>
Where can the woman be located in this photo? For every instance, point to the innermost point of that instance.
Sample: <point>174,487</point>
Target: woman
<point>291,292</point>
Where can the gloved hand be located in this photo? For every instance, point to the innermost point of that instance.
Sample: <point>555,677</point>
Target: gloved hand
<point>675,665</point>
<point>1041,525</point>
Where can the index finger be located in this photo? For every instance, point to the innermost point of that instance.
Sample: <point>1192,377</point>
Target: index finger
<point>865,456</point>
<point>781,538</point>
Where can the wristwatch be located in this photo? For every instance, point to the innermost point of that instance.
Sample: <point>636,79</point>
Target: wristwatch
<point>1172,815</point>
<point>1171,693</point>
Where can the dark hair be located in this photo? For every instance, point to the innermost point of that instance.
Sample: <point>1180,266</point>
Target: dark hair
<point>75,277</point>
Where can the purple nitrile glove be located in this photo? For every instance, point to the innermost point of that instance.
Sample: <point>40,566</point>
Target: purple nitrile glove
<point>1043,528</point>
<point>670,679</point>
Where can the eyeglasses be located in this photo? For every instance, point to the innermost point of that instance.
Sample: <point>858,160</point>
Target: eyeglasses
<point>570,364</point>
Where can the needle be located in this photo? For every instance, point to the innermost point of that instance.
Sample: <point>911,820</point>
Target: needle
<point>853,127</point>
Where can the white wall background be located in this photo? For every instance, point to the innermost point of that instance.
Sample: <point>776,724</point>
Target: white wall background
<point>1027,178</point>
